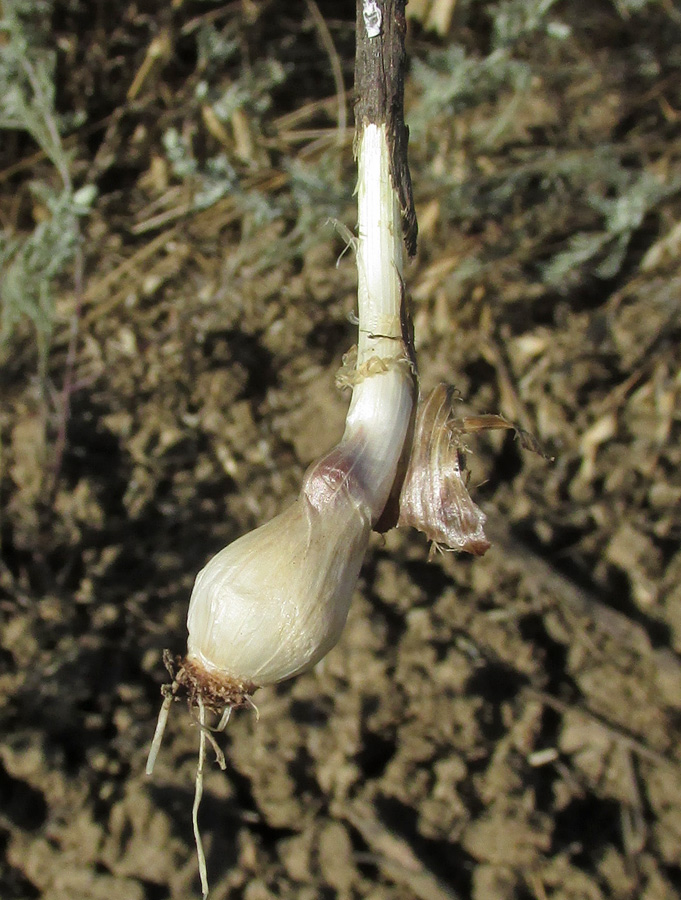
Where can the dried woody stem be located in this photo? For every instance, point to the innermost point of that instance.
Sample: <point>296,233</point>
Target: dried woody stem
<point>380,64</point>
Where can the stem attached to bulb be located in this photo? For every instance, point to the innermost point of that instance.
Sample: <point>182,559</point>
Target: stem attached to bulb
<point>384,383</point>
<point>381,413</point>
<point>271,604</point>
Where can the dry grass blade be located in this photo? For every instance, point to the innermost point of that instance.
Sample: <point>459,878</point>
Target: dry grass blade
<point>336,68</point>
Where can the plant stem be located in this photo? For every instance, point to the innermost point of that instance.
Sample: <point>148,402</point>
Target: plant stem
<point>383,395</point>
<point>381,410</point>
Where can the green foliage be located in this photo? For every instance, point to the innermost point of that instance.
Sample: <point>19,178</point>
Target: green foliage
<point>517,19</point>
<point>488,120</point>
<point>216,176</point>
<point>30,265</point>
<point>27,76</point>
<point>452,81</point>
<point>317,194</point>
<point>604,250</point>
<point>215,48</point>
<point>253,91</point>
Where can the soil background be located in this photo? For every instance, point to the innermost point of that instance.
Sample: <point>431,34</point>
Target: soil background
<point>494,728</point>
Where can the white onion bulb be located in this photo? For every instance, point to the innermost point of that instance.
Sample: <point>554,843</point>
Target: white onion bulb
<point>271,604</point>
<point>274,602</point>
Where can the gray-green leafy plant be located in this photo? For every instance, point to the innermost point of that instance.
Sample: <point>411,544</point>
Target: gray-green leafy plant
<point>30,265</point>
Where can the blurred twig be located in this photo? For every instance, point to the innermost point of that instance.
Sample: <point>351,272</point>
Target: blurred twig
<point>394,855</point>
<point>336,69</point>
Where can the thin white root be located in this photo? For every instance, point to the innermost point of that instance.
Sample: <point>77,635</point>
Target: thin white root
<point>255,709</point>
<point>219,755</point>
<point>224,719</point>
<point>158,734</point>
<point>203,874</point>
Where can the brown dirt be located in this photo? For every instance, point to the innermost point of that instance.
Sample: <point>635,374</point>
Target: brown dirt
<point>498,728</point>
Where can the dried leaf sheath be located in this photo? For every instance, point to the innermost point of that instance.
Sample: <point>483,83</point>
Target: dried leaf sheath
<point>434,497</point>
